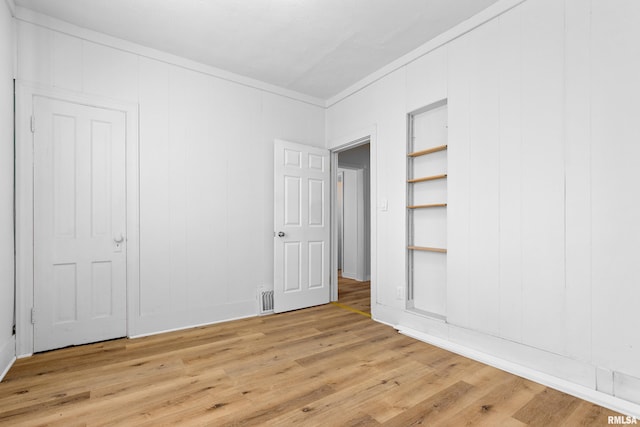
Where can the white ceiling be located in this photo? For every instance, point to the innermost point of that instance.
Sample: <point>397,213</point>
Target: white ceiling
<point>316,47</point>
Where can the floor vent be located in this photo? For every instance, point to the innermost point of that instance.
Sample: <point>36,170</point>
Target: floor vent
<point>266,302</point>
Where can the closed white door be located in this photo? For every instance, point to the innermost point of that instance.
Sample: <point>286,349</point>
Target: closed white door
<point>79,224</point>
<point>302,229</point>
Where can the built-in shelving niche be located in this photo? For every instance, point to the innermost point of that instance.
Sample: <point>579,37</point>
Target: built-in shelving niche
<point>427,210</point>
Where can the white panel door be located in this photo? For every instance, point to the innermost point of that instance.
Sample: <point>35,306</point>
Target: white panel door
<point>302,229</point>
<point>79,224</point>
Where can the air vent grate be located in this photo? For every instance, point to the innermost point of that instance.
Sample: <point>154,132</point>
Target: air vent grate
<point>266,302</point>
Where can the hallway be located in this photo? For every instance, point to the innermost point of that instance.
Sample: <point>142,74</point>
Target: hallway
<point>354,294</point>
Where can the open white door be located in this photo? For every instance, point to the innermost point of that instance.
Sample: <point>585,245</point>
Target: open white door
<point>302,226</point>
<point>79,224</point>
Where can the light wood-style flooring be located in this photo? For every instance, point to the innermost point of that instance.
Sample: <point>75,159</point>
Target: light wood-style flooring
<point>354,294</point>
<point>322,366</point>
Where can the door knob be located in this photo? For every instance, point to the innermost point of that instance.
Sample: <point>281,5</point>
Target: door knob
<point>119,238</point>
<point>280,233</point>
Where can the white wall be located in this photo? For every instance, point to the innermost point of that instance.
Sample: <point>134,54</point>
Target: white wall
<point>543,215</point>
<point>7,342</point>
<point>206,172</point>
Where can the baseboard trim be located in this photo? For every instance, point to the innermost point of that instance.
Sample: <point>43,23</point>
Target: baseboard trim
<point>182,328</point>
<point>157,323</point>
<point>7,356</point>
<point>355,277</point>
<point>582,392</point>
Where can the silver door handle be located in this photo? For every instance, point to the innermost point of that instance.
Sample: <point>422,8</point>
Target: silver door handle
<point>280,233</point>
<point>119,238</point>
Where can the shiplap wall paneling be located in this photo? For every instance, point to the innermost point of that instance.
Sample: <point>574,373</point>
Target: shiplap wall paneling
<point>615,132</point>
<point>505,100</point>
<point>484,179</point>
<point>203,140</point>
<point>578,338</point>
<point>459,52</point>
<point>176,231</point>
<point>109,72</point>
<point>543,248</point>
<point>560,83</point>
<point>510,137</point>
<point>155,293</point>
<point>35,52</point>
<point>66,62</point>
<point>427,78</point>
<point>388,114</point>
<point>245,227</point>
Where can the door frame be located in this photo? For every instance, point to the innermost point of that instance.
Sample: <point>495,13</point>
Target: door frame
<point>344,143</point>
<point>24,196</point>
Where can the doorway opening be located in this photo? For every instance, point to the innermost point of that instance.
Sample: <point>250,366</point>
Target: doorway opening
<point>352,226</point>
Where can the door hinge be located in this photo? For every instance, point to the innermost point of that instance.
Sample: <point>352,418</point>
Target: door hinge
<point>33,316</point>
<point>33,124</point>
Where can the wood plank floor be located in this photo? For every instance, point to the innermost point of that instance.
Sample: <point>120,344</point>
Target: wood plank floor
<point>323,366</point>
<point>354,294</point>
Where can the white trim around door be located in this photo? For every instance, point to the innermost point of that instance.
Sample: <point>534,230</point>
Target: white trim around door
<point>25,94</point>
<point>336,146</point>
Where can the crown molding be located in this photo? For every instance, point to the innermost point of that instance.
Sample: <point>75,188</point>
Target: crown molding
<point>11,4</point>
<point>459,30</point>
<point>54,24</point>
